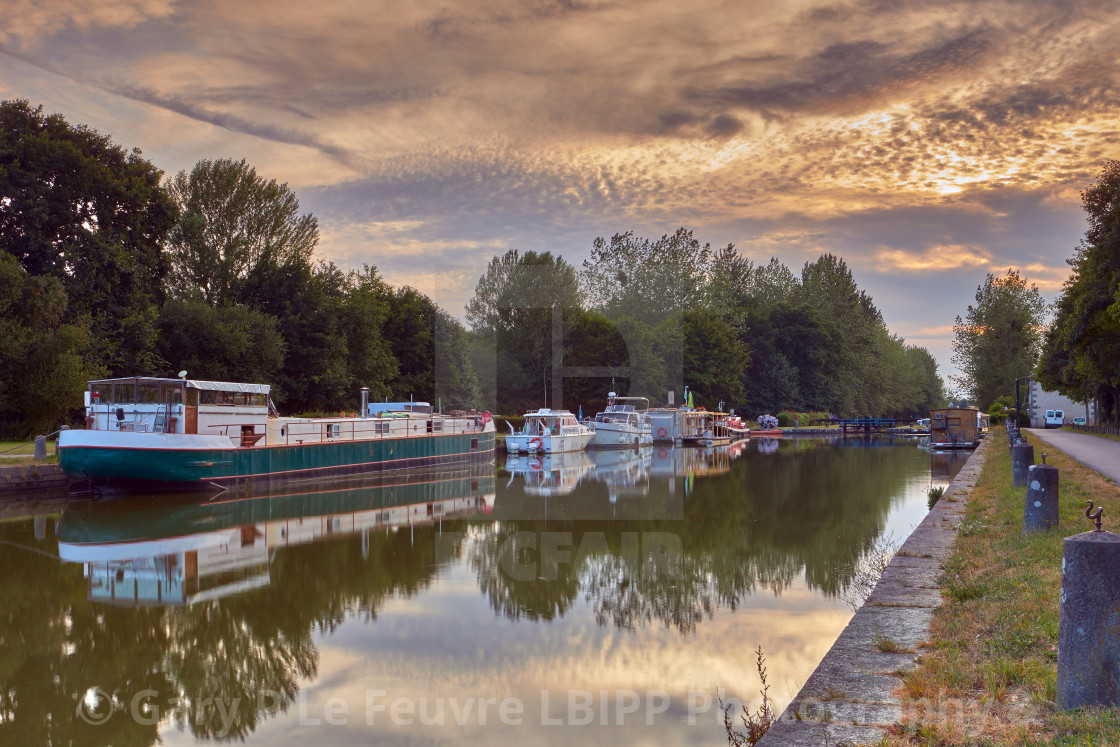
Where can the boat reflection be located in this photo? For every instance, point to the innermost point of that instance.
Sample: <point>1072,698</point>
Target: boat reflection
<point>178,553</point>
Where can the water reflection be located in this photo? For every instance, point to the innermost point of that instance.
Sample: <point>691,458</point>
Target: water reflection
<point>223,600</point>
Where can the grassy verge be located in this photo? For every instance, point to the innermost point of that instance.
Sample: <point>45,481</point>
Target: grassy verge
<point>19,452</point>
<point>988,676</point>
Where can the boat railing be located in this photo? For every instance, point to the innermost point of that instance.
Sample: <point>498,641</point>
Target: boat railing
<point>374,429</point>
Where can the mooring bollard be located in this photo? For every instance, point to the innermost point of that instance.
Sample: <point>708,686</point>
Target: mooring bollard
<point>40,447</point>
<point>1022,457</point>
<point>1089,619</point>
<point>1040,512</point>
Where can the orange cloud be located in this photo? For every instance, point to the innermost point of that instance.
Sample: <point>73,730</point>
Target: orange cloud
<point>945,257</point>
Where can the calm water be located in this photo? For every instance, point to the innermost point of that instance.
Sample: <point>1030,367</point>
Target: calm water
<point>587,598</point>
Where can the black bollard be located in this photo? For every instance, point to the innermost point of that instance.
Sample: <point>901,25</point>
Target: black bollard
<point>1040,512</point>
<point>1089,620</point>
<point>1022,457</point>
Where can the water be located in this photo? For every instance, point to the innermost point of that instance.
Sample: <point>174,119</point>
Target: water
<point>600,597</point>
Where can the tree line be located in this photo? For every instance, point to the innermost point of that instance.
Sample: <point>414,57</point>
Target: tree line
<point>656,315</point>
<point>108,268</point>
<point>1081,354</point>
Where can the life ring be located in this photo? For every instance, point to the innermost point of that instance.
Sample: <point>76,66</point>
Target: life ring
<point>535,464</point>
<point>661,453</point>
<point>540,443</point>
<point>662,432</point>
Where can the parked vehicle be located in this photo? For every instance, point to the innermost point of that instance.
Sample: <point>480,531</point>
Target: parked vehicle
<point>1079,421</point>
<point>1055,418</point>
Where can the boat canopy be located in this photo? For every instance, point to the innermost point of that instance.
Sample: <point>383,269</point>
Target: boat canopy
<point>214,386</point>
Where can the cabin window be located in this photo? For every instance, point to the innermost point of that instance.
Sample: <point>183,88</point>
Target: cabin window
<point>381,428</point>
<point>474,444</point>
<point>147,394</point>
<point>334,430</point>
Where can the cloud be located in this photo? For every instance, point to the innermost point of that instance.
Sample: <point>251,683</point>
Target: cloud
<point>27,21</point>
<point>947,257</point>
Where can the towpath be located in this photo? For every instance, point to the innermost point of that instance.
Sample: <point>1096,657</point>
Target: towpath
<point>1096,453</point>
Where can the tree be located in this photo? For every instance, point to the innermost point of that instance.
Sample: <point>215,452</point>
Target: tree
<point>512,309</point>
<point>828,286</point>
<point>78,208</point>
<point>1081,354</point>
<point>646,279</point>
<point>225,344</point>
<point>232,219</point>
<point>998,340</point>
<point>713,359</point>
<point>431,349</point>
<point>44,362</point>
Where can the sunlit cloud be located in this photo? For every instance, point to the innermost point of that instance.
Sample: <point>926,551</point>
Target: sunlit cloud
<point>911,139</point>
<point>948,257</point>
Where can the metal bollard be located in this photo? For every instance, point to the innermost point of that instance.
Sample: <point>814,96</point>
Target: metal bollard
<point>1022,457</point>
<point>1089,619</point>
<point>1040,511</point>
<point>40,447</point>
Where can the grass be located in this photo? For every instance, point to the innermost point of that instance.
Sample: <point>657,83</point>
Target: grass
<point>21,452</point>
<point>988,675</point>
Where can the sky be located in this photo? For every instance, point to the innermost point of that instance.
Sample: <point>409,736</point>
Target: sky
<point>927,144</point>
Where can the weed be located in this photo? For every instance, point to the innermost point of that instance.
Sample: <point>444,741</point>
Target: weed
<point>934,495</point>
<point>757,723</point>
<point>888,645</point>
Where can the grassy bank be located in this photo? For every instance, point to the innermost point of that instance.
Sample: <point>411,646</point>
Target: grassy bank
<point>988,675</point>
<point>19,452</point>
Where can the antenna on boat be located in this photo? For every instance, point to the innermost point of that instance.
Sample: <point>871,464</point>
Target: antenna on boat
<point>183,375</point>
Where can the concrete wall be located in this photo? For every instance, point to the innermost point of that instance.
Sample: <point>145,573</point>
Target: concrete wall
<point>1040,401</point>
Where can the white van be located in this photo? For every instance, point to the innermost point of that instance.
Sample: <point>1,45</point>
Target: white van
<point>1055,418</point>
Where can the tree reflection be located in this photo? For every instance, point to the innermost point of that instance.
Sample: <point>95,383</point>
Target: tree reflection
<point>812,511</point>
<point>214,668</point>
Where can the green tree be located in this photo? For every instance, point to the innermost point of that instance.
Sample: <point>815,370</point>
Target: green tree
<point>225,344</point>
<point>646,279</point>
<point>512,308</point>
<point>713,359</point>
<point>232,219</point>
<point>828,286</point>
<point>1081,354</point>
<point>76,207</point>
<point>999,339</point>
<point>44,361</point>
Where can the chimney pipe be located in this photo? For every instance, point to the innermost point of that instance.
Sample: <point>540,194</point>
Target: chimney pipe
<point>365,402</point>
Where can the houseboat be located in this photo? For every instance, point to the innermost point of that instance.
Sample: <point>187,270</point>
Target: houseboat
<point>549,432</point>
<point>954,428</point>
<point>159,434</point>
<point>622,425</point>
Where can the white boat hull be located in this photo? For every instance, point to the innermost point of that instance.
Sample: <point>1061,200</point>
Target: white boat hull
<point>547,444</point>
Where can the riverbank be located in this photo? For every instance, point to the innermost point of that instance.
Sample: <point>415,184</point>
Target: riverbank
<point>989,671</point>
<point>854,695</point>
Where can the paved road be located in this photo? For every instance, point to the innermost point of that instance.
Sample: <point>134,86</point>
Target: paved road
<point>1100,454</point>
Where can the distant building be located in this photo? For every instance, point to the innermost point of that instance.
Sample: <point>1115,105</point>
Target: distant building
<point>1039,401</point>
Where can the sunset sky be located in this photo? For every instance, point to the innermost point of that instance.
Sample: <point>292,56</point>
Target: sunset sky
<point>925,143</point>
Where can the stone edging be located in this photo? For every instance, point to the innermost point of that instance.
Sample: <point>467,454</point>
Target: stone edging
<point>850,696</point>
<point>23,481</point>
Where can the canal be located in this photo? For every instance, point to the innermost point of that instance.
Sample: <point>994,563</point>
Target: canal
<point>602,597</point>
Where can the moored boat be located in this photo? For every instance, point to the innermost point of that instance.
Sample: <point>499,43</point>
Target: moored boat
<point>954,428</point>
<point>548,431</point>
<point>150,433</point>
<point>622,425</point>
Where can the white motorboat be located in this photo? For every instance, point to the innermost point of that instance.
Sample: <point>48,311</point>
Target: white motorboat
<point>623,425</point>
<point>548,432</point>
